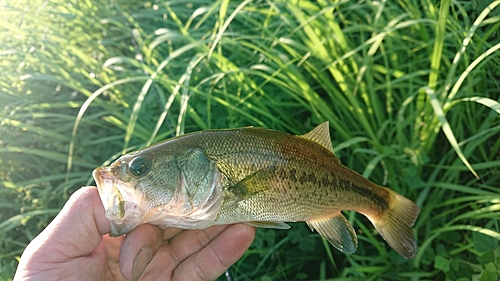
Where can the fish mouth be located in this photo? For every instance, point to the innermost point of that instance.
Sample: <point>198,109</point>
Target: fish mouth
<point>121,207</point>
<point>127,207</point>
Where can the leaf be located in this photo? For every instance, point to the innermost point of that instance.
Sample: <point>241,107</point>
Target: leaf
<point>440,249</point>
<point>490,273</point>
<point>483,242</point>
<point>465,271</point>
<point>442,263</point>
<point>455,265</point>
<point>438,110</point>
<point>487,257</point>
<point>438,45</point>
<point>494,105</point>
<point>18,220</point>
<point>270,238</point>
<point>301,276</point>
<point>307,244</point>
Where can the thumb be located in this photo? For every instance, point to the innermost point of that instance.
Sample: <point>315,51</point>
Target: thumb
<point>81,223</point>
<point>78,228</point>
<point>72,240</point>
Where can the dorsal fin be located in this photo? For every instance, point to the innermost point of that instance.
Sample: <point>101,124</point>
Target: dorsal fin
<point>321,135</point>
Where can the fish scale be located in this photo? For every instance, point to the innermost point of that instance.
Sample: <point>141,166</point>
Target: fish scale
<point>251,175</point>
<point>304,182</point>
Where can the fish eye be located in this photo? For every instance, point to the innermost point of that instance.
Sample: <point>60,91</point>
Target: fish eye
<point>139,167</point>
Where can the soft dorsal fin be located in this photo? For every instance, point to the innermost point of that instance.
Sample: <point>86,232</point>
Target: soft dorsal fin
<point>321,135</point>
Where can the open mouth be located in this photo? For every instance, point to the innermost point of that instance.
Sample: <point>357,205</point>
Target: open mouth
<point>111,197</point>
<point>113,201</point>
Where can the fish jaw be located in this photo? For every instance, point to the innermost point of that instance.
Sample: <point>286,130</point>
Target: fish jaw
<point>127,207</point>
<point>120,200</point>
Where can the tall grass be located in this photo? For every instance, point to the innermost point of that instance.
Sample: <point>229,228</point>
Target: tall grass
<point>410,89</point>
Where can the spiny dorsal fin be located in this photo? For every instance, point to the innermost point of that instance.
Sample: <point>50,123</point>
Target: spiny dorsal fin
<point>321,135</point>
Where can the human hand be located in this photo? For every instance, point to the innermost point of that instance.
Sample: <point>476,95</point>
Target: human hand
<point>75,246</point>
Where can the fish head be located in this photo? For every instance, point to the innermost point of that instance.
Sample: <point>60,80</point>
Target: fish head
<point>165,189</point>
<point>125,192</point>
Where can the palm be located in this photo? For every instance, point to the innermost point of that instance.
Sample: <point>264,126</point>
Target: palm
<point>75,246</point>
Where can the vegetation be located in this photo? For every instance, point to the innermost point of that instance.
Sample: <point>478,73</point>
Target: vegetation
<point>411,90</point>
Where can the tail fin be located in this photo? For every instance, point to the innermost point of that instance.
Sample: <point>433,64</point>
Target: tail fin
<point>394,225</point>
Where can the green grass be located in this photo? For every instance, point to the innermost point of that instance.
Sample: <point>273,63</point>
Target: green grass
<point>411,90</point>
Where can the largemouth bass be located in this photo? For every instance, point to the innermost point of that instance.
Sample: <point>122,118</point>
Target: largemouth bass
<point>257,176</point>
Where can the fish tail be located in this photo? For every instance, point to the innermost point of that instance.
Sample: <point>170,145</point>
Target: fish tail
<point>394,224</point>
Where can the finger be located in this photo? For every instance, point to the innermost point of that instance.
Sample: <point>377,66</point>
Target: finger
<point>211,261</point>
<point>139,247</point>
<point>178,249</point>
<point>191,241</point>
<point>113,245</point>
<point>74,234</point>
<point>79,226</point>
<point>171,232</point>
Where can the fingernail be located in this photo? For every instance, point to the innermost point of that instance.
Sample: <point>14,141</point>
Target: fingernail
<point>141,261</point>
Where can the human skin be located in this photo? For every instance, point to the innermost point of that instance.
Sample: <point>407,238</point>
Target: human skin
<point>76,246</point>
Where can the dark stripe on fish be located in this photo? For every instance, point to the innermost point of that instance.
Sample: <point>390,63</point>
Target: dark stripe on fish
<point>337,184</point>
<point>365,192</point>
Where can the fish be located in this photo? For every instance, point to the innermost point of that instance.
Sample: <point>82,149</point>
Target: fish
<point>257,176</point>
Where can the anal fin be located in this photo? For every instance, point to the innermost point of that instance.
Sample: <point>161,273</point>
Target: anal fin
<point>269,224</point>
<point>338,231</point>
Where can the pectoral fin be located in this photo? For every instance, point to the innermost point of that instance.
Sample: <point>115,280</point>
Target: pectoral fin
<point>254,183</point>
<point>338,231</point>
<point>269,224</point>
